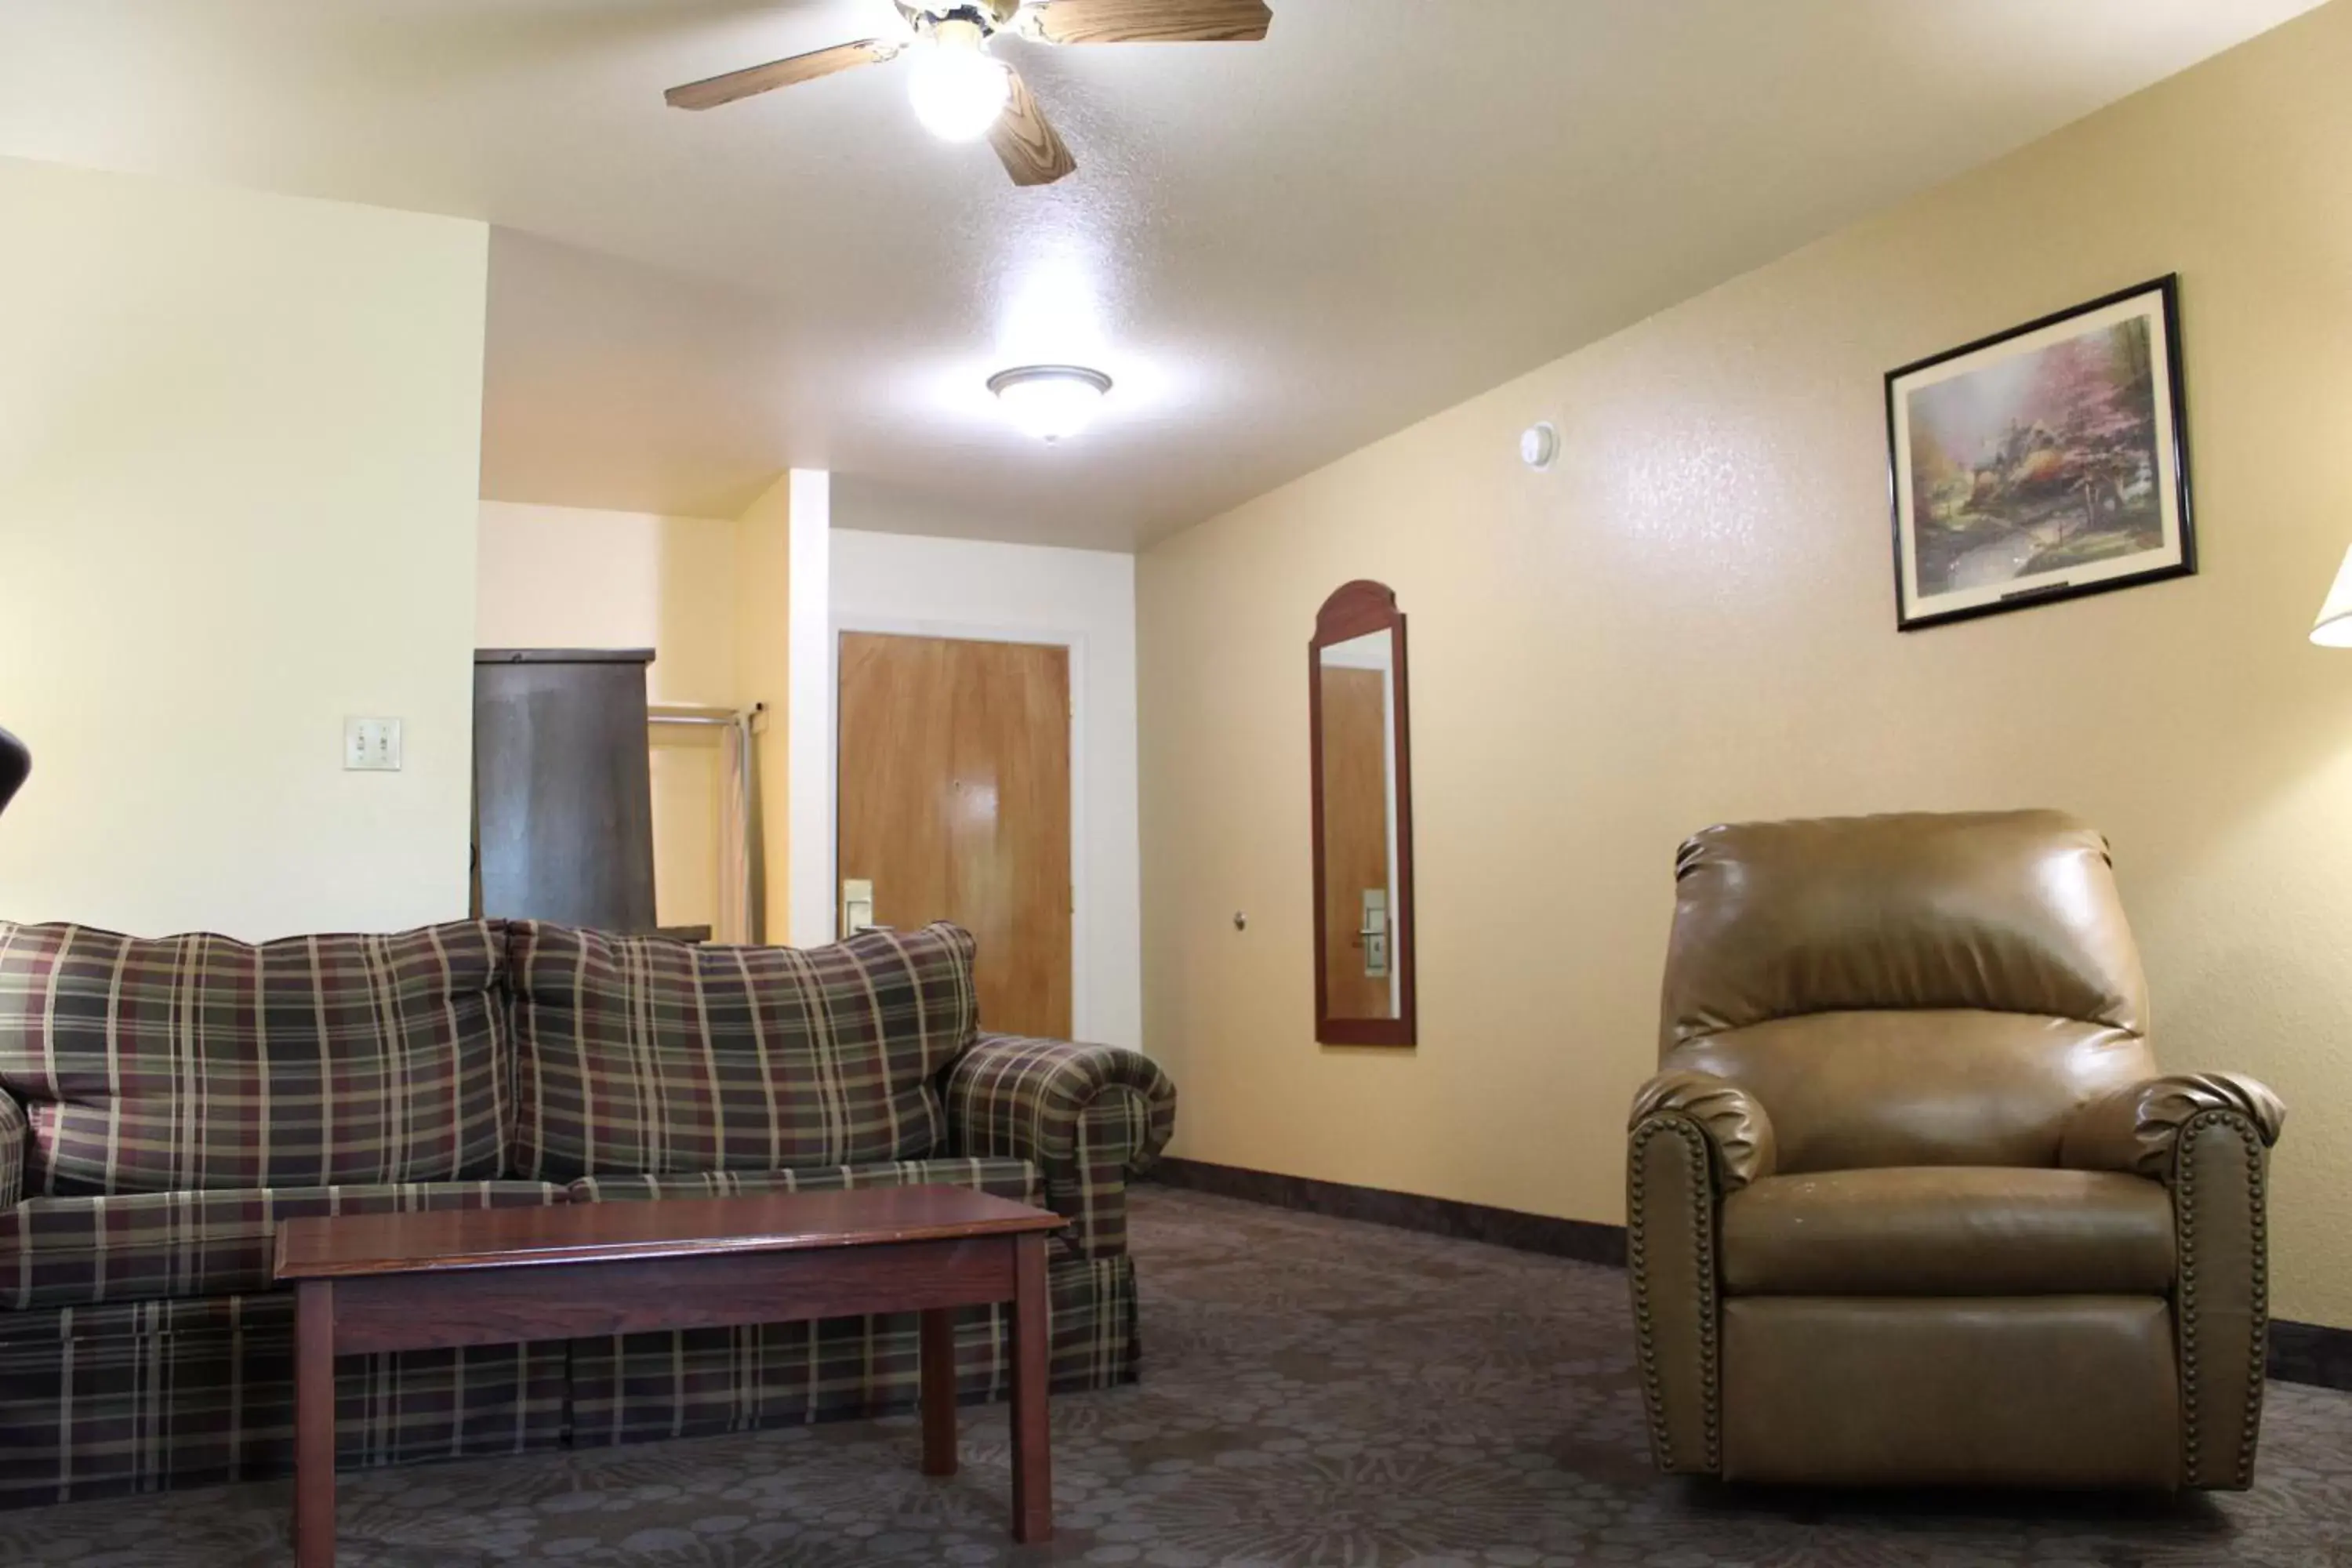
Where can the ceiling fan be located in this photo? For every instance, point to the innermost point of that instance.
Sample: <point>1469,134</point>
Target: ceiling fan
<point>962,92</point>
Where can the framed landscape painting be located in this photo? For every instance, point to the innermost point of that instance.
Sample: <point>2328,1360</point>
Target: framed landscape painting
<point>2048,461</point>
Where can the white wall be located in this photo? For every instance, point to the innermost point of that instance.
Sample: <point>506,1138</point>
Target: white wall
<point>239,455</point>
<point>808,711</point>
<point>555,576</point>
<point>949,587</point>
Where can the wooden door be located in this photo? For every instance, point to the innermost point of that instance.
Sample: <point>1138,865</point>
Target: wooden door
<point>955,804</point>
<point>1355,834</point>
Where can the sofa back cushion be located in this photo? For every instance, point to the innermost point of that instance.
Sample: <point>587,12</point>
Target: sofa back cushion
<point>199,1062</point>
<point>643,1056</point>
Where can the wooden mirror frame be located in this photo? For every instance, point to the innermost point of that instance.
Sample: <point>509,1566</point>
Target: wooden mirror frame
<point>1355,610</point>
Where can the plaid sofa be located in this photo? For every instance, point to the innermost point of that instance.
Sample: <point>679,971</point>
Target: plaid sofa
<point>164,1103</point>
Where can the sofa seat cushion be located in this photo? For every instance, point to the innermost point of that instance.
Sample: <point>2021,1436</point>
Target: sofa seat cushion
<point>1948,1230</point>
<point>196,1061</point>
<point>641,1056</point>
<point>67,1252</point>
<point>1015,1179</point>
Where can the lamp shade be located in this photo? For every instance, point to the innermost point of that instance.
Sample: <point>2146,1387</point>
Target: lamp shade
<point>16,762</point>
<point>2334,627</point>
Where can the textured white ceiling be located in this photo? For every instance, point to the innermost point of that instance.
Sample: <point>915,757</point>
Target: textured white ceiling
<point>1281,250</point>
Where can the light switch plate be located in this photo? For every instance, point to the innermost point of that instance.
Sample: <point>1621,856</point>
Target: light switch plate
<point>371,745</point>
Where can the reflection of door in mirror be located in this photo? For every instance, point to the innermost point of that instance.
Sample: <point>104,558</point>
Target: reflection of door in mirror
<point>1359,823</point>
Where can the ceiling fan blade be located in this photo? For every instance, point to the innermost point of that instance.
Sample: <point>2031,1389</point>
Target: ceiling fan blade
<point>1150,21</point>
<point>1033,151</point>
<point>718,90</point>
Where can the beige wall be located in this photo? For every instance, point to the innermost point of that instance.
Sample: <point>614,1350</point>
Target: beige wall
<point>736,613</point>
<point>568,577</point>
<point>239,449</point>
<point>764,663</point>
<point>1692,620</point>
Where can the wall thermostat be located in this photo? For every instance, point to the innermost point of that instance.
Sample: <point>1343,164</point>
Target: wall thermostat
<point>1540,444</point>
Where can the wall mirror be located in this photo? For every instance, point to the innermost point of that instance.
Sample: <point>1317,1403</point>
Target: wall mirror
<point>1362,794</point>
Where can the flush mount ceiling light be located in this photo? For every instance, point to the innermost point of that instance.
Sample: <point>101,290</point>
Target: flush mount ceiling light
<point>1051,402</point>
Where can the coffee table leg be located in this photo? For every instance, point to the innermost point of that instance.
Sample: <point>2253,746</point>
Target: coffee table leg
<point>1033,1453</point>
<point>314,1425</point>
<point>938,1392</point>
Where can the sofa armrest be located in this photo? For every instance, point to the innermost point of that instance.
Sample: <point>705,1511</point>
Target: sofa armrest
<point>2136,1130</point>
<point>1739,1133</point>
<point>11,1151</point>
<point>1088,1117</point>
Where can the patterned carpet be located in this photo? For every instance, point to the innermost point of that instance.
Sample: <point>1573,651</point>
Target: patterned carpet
<point>1317,1393</point>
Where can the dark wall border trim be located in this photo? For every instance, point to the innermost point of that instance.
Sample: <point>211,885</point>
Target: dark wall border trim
<point>1584,1240</point>
<point>2299,1353</point>
<point>2311,1352</point>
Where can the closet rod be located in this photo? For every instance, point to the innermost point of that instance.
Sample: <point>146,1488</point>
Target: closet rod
<point>690,713</point>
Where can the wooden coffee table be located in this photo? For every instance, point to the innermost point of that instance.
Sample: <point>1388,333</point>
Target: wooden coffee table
<point>474,1277</point>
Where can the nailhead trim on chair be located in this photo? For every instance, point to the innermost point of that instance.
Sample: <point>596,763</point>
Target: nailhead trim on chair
<point>1637,1251</point>
<point>2184,1219</point>
<point>2184,1201</point>
<point>1696,1149</point>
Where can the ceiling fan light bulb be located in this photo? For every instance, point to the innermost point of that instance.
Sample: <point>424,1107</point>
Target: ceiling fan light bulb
<point>1052,403</point>
<point>957,90</point>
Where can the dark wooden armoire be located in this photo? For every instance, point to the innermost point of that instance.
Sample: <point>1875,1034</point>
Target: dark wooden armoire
<point>563,818</point>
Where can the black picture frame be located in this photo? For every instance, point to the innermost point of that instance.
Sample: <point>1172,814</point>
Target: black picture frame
<point>2084,488</point>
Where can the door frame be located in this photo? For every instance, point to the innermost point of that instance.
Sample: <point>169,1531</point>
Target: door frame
<point>1081,1001</point>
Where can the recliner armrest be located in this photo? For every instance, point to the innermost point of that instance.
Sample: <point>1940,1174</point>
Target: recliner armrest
<point>11,1151</point>
<point>1737,1128</point>
<point>1692,1138</point>
<point>2136,1128</point>
<point>2204,1135</point>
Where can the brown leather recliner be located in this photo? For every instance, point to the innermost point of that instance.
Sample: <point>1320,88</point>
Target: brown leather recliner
<point>1909,1202</point>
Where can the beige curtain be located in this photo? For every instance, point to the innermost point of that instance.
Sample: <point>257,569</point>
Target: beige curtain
<point>742,894</point>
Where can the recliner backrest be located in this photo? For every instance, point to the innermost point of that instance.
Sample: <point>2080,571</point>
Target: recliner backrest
<point>1907,989</point>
